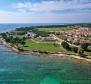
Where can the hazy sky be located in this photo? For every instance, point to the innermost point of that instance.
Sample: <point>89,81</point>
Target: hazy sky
<point>45,11</point>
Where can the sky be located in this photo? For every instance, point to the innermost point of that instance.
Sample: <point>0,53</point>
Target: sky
<point>45,11</point>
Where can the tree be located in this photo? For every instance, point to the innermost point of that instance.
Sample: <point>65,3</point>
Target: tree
<point>55,44</point>
<point>4,35</point>
<point>16,41</point>
<point>84,46</point>
<point>65,45</point>
<point>23,42</point>
<point>80,51</point>
<point>75,49</point>
<point>24,38</point>
<point>7,39</point>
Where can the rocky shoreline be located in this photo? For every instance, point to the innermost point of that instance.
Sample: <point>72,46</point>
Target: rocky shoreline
<point>39,53</point>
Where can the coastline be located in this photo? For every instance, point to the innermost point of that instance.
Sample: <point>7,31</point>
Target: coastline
<point>59,54</point>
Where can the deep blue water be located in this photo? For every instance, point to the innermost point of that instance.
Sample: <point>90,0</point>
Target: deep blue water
<point>29,69</point>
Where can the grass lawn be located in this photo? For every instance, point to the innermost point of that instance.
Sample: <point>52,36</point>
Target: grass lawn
<point>50,47</point>
<point>89,52</point>
<point>54,29</point>
<point>89,47</point>
<point>49,29</point>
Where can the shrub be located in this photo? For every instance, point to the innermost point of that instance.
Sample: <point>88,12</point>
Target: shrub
<point>65,45</point>
<point>80,51</point>
<point>75,49</point>
<point>84,46</point>
<point>55,44</point>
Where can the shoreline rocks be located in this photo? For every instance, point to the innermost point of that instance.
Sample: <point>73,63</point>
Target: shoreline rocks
<point>41,53</point>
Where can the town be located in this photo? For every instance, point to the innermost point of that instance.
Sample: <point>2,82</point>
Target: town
<point>80,35</point>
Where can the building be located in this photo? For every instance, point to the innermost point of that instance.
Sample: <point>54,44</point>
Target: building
<point>30,35</point>
<point>78,35</point>
<point>49,38</point>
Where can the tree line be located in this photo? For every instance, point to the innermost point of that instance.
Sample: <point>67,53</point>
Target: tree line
<point>80,50</point>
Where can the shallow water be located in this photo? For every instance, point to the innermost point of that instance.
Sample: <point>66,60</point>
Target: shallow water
<point>29,69</point>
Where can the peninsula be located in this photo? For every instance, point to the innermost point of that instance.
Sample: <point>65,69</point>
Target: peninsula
<point>69,40</point>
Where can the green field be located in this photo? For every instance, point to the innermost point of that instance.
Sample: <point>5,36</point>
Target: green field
<point>88,53</point>
<point>54,29</point>
<point>41,46</point>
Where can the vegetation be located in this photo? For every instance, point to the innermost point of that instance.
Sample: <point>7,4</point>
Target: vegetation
<point>74,49</point>
<point>81,51</point>
<point>45,26</point>
<point>13,40</point>
<point>63,37</point>
<point>17,38</point>
<point>84,46</point>
<point>41,46</point>
<point>65,45</point>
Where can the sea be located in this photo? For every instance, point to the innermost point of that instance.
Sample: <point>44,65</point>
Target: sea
<point>18,68</point>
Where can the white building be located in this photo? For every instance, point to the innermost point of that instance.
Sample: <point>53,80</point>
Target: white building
<point>30,35</point>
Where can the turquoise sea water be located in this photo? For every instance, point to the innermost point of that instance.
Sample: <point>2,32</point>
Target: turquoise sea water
<point>29,69</point>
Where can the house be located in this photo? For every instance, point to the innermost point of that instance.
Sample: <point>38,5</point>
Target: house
<point>30,35</point>
<point>49,38</point>
<point>78,35</point>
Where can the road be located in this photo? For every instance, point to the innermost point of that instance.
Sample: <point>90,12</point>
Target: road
<point>60,41</point>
